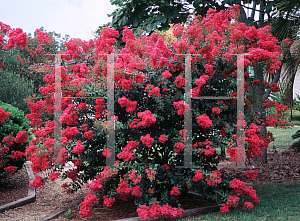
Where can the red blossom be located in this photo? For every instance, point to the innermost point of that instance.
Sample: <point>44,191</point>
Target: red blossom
<point>11,170</point>
<point>175,191</point>
<point>204,121</point>
<point>37,182</point>
<point>54,175</point>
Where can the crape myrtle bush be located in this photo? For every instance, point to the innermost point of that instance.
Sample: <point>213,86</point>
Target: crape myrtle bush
<point>14,133</point>
<point>149,115</point>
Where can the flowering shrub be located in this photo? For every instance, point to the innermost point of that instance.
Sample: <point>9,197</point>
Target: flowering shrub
<point>14,133</point>
<point>149,91</point>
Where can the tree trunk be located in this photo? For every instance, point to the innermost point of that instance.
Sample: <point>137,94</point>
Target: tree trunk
<point>259,110</point>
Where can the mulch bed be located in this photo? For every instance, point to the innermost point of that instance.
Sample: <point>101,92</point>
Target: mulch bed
<point>14,187</point>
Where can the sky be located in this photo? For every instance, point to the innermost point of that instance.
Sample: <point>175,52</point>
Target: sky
<point>77,18</point>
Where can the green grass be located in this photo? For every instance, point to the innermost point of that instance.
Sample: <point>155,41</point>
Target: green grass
<point>282,137</point>
<point>277,202</point>
<point>296,117</point>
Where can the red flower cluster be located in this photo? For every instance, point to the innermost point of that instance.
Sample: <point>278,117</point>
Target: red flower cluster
<point>155,91</point>
<point>130,105</point>
<point>37,182</point>
<point>146,119</point>
<point>251,174</point>
<point>216,110</point>
<point>215,177</point>
<point>4,115</point>
<point>175,191</point>
<point>78,148</point>
<point>96,184</point>
<point>11,170</point>
<point>162,138</point>
<point>166,74</point>
<point>274,87</point>
<point>16,154</point>
<point>99,107</point>
<point>198,176</point>
<point>241,189</point>
<point>17,38</point>
<point>155,210</point>
<point>88,135</point>
<point>54,175</point>
<point>108,202</point>
<point>150,174</point>
<point>21,137</point>
<point>86,205</point>
<point>204,121</point>
<point>147,140</point>
<point>72,174</point>
<point>178,147</point>
<point>166,167</point>
<point>126,154</point>
<point>180,106</point>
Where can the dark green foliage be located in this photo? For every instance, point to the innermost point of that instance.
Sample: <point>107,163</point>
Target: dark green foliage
<point>14,89</point>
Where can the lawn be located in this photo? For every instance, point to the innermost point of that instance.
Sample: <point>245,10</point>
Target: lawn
<point>277,202</point>
<point>282,137</point>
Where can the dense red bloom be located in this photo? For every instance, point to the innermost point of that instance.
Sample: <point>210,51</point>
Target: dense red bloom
<point>136,191</point>
<point>72,174</point>
<point>255,82</point>
<point>16,38</point>
<point>131,106</point>
<point>209,69</point>
<point>178,147</point>
<point>166,167</point>
<point>166,74</point>
<point>54,175</point>
<point>248,205</point>
<point>224,208</point>
<point>21,137</point>
<point>274,87</point>
<point>202,80</point>
<point>180,106</point>
<point>179,81</point>
<point>4,115</point>
<point>175,191</point>
<point>162,138</point>
<point>147,140</point>
<point>96,184</point>
<point>108,202</point>
<point>11,170</point>
<point>251,174</point>
<point>198,176</point>
<point>123,101</point>
<point>88,135</point>
<point>216,110</point>
<point>233,200</point>
<point>86,205</point>
<point>78,148</point>
<point>204,121</point>
<point>37,182</point>
<point>16,155</point>
<point>139,78</point>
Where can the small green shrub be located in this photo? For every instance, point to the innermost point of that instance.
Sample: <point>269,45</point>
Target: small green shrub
<point>14,137</point>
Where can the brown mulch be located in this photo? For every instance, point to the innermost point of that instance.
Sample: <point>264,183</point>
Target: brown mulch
<point>14,187</point>
<point>283,166</point>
